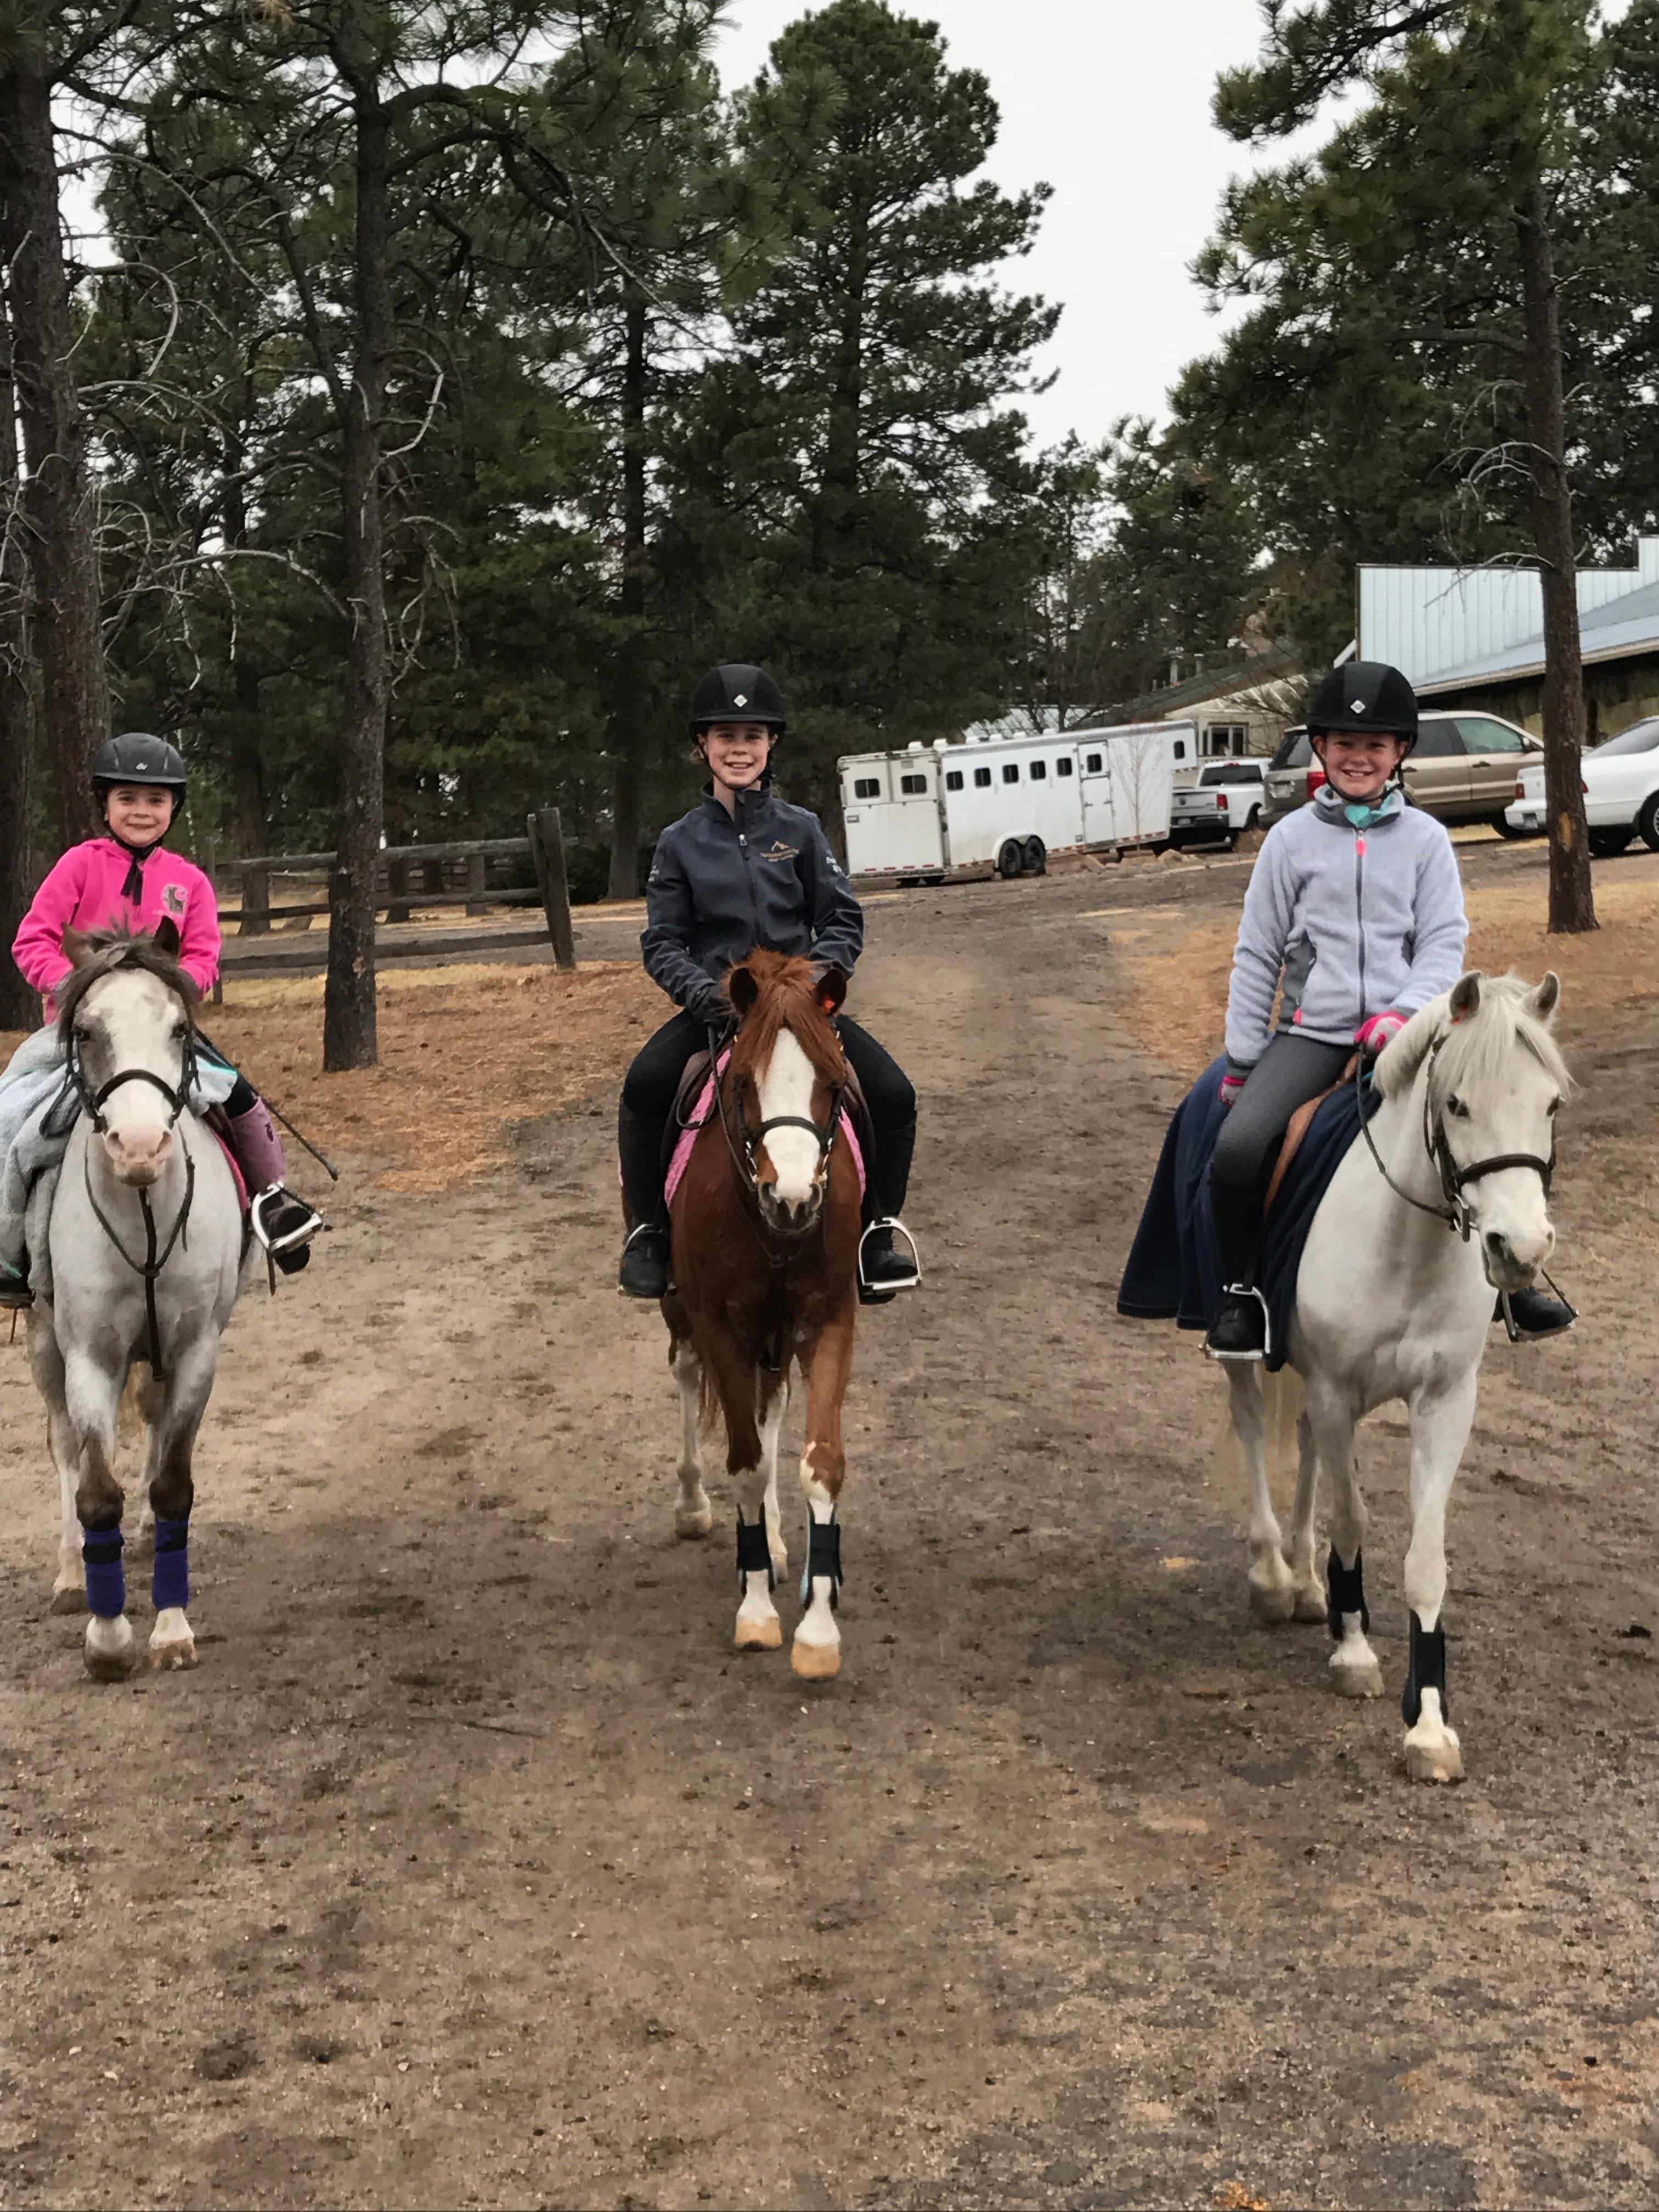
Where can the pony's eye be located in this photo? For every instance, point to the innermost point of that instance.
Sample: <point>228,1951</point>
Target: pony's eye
<point>1454,1105</point>
<point>1555,1108</point>
<point>180,1031</point>
<point>82,1035</point>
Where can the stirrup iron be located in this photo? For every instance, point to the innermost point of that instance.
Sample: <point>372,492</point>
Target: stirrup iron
<point>890,1221</point>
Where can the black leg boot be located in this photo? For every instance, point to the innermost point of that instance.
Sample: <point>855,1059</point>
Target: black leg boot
<point>645,1258</point>
<point>886,1268</point>
<point>1239,1331</point>
<point>1529,1314</point>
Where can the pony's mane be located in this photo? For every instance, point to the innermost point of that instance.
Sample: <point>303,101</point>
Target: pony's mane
<point>786,1001</point>
<point>1474,1053</point>
<point>118,947</point>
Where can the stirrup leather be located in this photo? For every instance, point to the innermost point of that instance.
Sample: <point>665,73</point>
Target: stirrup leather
<point>890,1221</point>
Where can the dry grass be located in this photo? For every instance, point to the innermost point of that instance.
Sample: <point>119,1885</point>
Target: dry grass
<point>1179,1004</point>
<point>466,1053</point>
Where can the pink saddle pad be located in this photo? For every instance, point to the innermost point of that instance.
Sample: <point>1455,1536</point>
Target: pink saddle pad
<point>235,1166</point>
<point>688,1136</point>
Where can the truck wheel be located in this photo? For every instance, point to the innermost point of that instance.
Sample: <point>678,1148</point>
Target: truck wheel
<point>1648,822</point>
<point>1010,860</point>
<point>1036,857</point>
<point>1608,844</point>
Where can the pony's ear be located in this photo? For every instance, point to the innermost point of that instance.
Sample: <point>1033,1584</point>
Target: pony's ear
<point>167,936</point>
<point>1542,1001</point>
<point>742,990</point>
<point>830,989</point>
<point>77,949</point>
<point>1466,994</point>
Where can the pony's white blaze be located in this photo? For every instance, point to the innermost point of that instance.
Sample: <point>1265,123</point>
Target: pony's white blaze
<point>786,1086</point>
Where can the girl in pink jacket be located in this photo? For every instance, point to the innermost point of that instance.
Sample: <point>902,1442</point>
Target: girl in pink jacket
<point>128,876</point>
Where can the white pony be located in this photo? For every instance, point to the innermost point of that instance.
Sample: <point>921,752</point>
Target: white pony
<point>1447,1200</point>
<point>146,1261</point>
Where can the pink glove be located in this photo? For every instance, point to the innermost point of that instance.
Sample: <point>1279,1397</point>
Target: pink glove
<point>1231,1087</point>
<point>1371,1036</point>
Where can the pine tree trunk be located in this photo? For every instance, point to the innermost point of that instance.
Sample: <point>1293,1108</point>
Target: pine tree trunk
<point>349,1038</point>
<point>58,503</point>
<point>1572,903</point>
<point>247,792</point>
<point>628,706</point>
<point>19,1007</point>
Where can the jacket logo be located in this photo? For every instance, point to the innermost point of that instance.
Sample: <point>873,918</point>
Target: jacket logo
<point>782,852</point>
<point>172,898</point>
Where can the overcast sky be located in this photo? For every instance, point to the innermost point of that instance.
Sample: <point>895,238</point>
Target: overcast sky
<point>1108,101</point>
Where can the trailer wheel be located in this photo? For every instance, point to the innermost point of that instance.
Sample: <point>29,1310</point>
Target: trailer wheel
<point>1010,860</point>
<point>1036,857</point>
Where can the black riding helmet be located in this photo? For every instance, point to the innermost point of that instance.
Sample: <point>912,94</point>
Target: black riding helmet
<point>136,757</point>
<point>1364,695</point>
<point>737,692</point>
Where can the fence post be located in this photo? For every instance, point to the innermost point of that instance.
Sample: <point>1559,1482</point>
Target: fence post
<point>547,851</point>
<point>477,882</point>
<point>256,903</point>
<point>397,884</point>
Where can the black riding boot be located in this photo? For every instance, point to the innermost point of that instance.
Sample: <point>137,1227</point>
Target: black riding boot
<point>1239,1331</point>
<point>885,1268</point>
<point>645,1258</point>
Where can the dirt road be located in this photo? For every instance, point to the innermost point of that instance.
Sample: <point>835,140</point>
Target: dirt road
<point>472,1867</point>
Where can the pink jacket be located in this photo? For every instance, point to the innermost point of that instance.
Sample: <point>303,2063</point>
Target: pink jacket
<point>85,890</point>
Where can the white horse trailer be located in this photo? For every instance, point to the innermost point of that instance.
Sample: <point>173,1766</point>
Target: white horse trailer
<point>1007,803</point>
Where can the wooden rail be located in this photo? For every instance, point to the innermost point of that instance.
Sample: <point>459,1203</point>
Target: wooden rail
<point>543,846</point>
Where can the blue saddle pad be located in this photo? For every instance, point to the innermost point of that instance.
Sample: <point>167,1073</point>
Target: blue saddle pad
<point>1174,1270</point>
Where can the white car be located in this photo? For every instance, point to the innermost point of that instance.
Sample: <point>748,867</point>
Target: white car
<point>1621,791</point>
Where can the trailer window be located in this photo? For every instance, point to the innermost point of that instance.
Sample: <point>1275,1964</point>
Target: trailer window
<point>913,786</point>
<point>1062,768</point>
<point>1011,772</point>
<point>982,779</point>
<point>1039,771</point>
<point>866,787</point>
<point>953,779</point>
<point>1180,748</point>
<point>1094,764</point>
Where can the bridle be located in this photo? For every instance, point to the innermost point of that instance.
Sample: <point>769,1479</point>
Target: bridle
<point>743,1146</point>
<point>1455,1179</point>
<point>156,1255</point>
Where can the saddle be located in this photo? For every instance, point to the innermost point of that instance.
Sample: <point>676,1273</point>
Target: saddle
<point>1298,1128</point>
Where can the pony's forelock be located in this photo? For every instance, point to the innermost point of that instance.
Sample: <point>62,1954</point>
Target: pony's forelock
<point>1471,1053</point>
<point>112,949</point>
<point>786,1001</point>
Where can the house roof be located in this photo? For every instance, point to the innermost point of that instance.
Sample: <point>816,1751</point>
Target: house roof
<point>1238,675</point>
<point>1451,628</point>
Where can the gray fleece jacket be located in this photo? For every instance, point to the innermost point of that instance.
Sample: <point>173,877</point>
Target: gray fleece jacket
<point>1344,924</point>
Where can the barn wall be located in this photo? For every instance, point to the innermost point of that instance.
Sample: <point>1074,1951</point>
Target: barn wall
<point>1619,693</point>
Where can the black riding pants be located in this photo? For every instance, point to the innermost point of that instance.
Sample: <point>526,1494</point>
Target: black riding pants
<point>647,1098</point>
<point>1292,1070</point>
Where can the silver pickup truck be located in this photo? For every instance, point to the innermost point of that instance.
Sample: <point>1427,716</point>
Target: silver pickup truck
<point>1223,800</point>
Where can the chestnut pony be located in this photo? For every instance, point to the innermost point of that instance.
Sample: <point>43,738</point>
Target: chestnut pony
<point>765,1227</point>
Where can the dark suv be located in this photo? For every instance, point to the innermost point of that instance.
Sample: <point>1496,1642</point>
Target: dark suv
<point>1463,769</point>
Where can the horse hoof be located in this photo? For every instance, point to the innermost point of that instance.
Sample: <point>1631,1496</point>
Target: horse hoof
<point>1365,1680</point>
<point>72,1598</point>
<point>1434,1759</point>
<point>1311,1604</point>
<point>178,1651</point>
<point>1271,1607</point>
<point>691,1522</point>
<point>110,1666</point>
<point>759,1634</point>
<point>815,1662</point>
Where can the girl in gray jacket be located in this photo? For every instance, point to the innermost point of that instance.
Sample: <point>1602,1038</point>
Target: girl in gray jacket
<point>1354,920</point>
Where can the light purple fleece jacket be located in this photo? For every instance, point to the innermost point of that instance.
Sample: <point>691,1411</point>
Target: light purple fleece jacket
<point>1352,923</point>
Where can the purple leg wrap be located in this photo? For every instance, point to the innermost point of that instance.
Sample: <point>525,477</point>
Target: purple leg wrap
<point>106,1582</point>
<point>170,1582</point>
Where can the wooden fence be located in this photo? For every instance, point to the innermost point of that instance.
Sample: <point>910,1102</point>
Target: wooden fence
<point>426,876</point>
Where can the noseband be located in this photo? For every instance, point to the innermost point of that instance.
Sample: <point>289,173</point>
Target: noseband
<point>743,1144</point>
<point>1454,1180</point>
<point>156,1255</point>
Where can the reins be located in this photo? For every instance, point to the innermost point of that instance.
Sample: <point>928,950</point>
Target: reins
<point>177,1098</point>
<point>1454,1180</point>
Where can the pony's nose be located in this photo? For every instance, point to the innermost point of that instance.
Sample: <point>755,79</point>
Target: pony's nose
<point>1512,1261</point>
<point>139,1156</point>
<point>790,1214</point>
